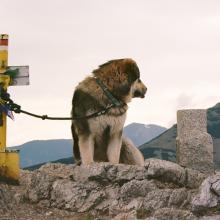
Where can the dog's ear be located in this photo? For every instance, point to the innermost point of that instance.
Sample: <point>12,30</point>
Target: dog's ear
<point>129,72</point>
<point>122,90</point>
<point>132,70</point>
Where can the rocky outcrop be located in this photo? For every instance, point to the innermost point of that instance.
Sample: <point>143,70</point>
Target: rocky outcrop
<point>208,197</point>
<point>159,190</point>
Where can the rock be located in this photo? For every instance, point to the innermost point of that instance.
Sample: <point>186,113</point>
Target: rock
<point>208,195</point>
<point>212,217</point>
<point>58,169</point>
<point>170,213</point>
<point>194,145</point>
<point>93,172</point>
<point>136,188</point>
<point>126,173</point>
<point>151,218</point>
<point>191,122</point>
<point>162,198</point>
<point>158,190</point>
<point>165,171</point>
<point>6,198</point>
<point>196,153</point>
<point>39,187</point>
<point>103,188</point>
<point>125,216</point>
<point>76,197</point>
<point>107,173</point>
<point>194,178</point>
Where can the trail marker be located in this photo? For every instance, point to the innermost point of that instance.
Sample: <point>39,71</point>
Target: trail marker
<point>9,159</point>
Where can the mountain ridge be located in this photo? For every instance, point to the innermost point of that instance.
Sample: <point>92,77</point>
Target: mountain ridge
<point>41,151</point>
<point>167,140</point>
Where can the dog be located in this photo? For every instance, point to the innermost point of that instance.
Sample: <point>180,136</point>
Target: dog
<point>99,138</point>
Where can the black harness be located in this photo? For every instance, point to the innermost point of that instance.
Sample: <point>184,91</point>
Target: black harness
<point>114,101</point>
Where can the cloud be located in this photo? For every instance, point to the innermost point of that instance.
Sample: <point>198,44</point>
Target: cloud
<point>184,101</point>
<point>175,43</point>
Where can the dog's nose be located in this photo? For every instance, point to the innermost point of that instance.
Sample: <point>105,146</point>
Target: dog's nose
<point>144,89</point>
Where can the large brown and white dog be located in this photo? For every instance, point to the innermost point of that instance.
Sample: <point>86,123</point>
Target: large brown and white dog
<point>100,138</point>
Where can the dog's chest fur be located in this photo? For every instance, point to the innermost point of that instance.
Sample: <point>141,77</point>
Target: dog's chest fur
<point>113,123</point>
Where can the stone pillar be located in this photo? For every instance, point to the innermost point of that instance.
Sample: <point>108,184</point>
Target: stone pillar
<point>194,146</point>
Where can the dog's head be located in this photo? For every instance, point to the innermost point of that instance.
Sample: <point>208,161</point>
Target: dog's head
<point>137,88</point>
<point>122,77</point>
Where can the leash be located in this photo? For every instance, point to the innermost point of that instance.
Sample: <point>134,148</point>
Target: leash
<point>9,105</point>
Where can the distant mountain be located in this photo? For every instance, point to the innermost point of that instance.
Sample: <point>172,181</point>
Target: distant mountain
<point>41,151</point>
<point>141,133</point>
<point>38,152</point>
<point>69,160</point>
<point>213,125</point>
<point>164,145</point>
<point>167,140</point>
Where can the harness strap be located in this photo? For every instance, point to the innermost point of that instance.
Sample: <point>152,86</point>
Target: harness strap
<point>113,100</point>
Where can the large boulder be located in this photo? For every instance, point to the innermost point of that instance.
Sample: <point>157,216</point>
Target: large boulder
<point>167,171</point>
<point>104,189</point>
<point>208,196</point>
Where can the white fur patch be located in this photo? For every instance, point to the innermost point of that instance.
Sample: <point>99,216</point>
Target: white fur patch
<point>97,125</point>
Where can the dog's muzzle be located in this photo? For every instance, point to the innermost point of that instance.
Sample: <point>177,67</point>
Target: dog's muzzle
<point>140,92</point>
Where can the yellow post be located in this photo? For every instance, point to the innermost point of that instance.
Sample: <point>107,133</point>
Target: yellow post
<point>9,160</point>
<point>3,65</point>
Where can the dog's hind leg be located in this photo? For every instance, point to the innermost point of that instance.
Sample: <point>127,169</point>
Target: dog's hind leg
<point>130,154</point>
<point>86,148</point>
<point>114,148</point>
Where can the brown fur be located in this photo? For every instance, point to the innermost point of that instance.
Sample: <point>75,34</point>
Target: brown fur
<point>100,138</point>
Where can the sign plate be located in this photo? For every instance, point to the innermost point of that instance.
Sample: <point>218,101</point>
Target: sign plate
<point>21,77</point>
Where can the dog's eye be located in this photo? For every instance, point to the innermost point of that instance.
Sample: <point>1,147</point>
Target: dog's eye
<point>139,80</point>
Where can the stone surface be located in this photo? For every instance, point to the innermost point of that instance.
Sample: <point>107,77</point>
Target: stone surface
<point>212,217</point>
<point>103,188</point>
<point>208,195</point>
<point>125,216</point>
<point>165,171</point>
<point>39,187</point>
<point>5,198</point>
<point>163,198</point>
<point>158,190</point>
<point>194,145</point>
<point>106,173</point>
<point>191,122</point>
<point>177,214</point>
<point>194,178</point>
<point>76,197</point>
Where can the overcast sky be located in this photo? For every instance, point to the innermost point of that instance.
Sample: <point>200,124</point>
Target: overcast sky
<point>176,44</point>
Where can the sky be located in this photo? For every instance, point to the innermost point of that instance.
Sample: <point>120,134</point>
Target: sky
<point>174,42</point>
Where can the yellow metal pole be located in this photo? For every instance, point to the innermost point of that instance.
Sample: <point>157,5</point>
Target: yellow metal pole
<point>9,160</point>
<point>3,66</point>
